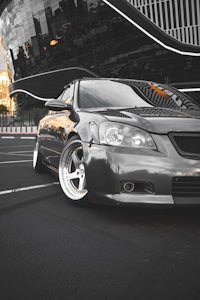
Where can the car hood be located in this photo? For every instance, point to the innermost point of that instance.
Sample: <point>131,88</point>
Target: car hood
<point>156,120</point>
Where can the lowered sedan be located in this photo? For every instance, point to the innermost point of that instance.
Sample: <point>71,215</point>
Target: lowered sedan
<point>122,141</point>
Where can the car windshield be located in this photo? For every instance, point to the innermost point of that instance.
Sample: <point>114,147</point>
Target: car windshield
<point>131,93</point>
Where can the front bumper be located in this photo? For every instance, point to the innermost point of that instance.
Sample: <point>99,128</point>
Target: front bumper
<point>107,167</point>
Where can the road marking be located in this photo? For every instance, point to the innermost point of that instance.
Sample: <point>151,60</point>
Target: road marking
<point>15,161</point>
<point>27,138</point>
<point>8,137</point>
<point>22,146</point>
<point>16,154</point>
<point>23,155</point>
<point>28,188</point>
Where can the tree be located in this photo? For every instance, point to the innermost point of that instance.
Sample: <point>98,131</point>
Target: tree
<point>3,108</point>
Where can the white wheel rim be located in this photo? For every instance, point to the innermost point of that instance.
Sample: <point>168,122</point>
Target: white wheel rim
<point>72,172</point>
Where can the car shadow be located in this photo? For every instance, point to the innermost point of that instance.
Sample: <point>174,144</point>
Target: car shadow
<point>165,215</point>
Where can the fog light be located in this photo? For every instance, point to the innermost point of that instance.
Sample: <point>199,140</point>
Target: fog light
<point>137,187</point>
<point>128,187</point>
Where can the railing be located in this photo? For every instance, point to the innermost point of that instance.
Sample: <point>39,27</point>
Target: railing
<point>8,119</point>
<point>21,122</point>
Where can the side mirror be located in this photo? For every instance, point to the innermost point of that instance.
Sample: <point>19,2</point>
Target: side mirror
<point>58,105</point>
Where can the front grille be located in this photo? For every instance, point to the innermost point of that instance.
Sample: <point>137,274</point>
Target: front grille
<point>186,186</point>
<point>187,144</point>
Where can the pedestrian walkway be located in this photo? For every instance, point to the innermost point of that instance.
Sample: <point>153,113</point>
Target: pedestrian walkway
<point>18,130</point>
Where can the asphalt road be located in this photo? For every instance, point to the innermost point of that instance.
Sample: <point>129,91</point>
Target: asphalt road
<point>50,249</point>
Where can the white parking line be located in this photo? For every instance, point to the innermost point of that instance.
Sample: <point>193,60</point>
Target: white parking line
<point>8,137</point>
<point>17,154</point>
<point>15,161</point>
<point>27,138</point>
<point>21,146</point>
<point>28,188</point>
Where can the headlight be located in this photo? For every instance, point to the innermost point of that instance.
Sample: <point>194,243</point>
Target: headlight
<point>117,134</point>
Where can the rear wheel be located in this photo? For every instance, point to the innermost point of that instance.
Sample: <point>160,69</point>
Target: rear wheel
<point>38,165</point>
<point>72,172</point>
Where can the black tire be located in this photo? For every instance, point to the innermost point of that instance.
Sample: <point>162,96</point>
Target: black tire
<point>72,172</point>
<point>38,165</point>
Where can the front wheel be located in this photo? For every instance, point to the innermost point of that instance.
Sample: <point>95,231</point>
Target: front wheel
<point>72,172</point>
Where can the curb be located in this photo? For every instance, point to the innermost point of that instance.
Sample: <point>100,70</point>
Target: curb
<point>14,136</point>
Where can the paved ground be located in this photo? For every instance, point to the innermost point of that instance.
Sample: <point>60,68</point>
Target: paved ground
<point>50,249</point>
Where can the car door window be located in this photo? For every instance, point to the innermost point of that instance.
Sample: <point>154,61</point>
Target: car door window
<point>67,95</point>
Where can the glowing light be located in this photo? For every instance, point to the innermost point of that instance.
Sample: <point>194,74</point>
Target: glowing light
<point>158,91</point>
<point>53,42</point>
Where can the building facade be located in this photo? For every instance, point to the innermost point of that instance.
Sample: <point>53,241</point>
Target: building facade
<point>177,18</point>
<point>5,80</point>
<point>45,35</point>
